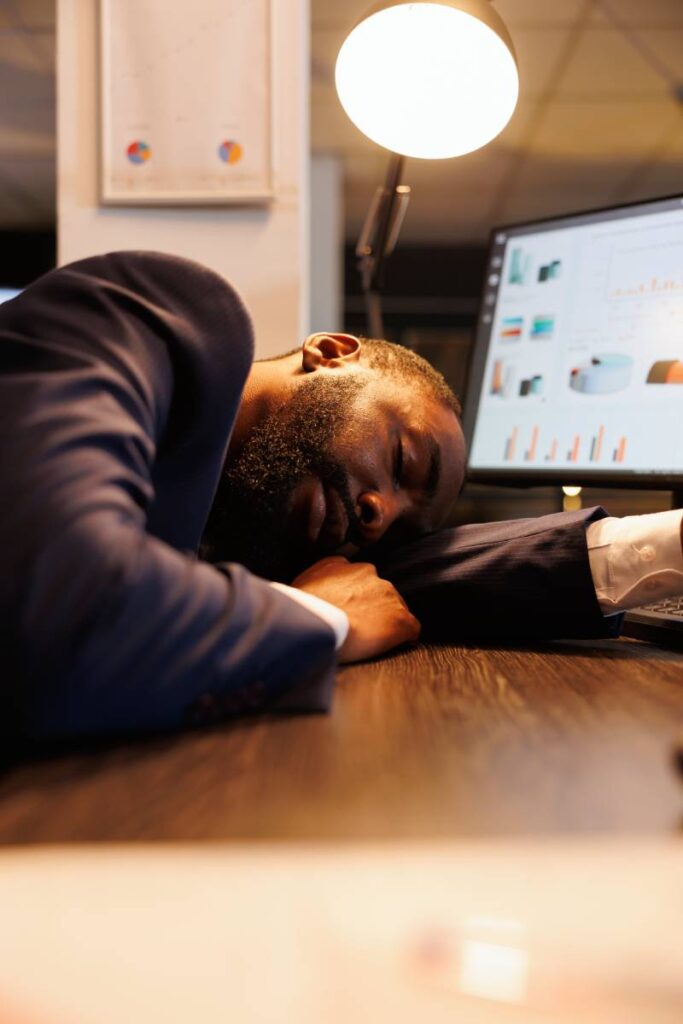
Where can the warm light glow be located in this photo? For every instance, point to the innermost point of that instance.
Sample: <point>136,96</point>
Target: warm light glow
<point>571,492</point>
<point>427,80</point>
<point>493,971</point>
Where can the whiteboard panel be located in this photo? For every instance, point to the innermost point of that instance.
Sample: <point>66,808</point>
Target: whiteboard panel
<point>185,93</point>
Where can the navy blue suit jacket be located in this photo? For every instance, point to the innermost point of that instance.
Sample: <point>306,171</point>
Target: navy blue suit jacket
<point>527,579</point>
<point>120,380</point>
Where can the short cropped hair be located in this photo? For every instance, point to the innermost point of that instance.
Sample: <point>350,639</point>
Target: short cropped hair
<point>407,366</point>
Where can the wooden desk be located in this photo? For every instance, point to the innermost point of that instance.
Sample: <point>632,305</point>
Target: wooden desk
<point>437,741</point>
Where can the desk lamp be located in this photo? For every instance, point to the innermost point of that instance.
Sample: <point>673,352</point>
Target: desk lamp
<point>430,79</point>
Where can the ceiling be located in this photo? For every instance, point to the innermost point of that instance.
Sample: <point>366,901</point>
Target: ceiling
<point>598,120</point>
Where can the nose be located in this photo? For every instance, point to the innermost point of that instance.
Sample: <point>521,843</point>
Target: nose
<point>376,513</point>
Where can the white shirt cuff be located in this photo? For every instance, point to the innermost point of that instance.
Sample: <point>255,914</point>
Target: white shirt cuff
<point>636,560</point>
<point>329,613</point>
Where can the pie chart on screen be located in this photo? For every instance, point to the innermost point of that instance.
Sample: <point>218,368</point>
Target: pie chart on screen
<point>138,152</point>
<point>230,152</point>
<point>666,371</point>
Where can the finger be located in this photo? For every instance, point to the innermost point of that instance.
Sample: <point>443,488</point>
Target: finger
<point>405,631</point>
<point>411,628</point>
<point>368,568</point>
<point>404,605</point>
<point>396,596</point>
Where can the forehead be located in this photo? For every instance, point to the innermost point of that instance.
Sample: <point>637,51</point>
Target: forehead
<point>414,406</point>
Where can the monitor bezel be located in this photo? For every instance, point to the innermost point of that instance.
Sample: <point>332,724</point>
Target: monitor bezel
<point>537,477</point>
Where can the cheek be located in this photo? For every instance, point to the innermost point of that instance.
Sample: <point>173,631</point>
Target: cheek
<point>362,459</point>
<point>450,516</point>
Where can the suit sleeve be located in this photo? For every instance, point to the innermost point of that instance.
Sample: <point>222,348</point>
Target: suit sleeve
<point>526,579</point>
<point>110,629</point>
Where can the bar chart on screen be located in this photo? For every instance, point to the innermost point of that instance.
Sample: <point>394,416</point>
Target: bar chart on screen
<point>511,328</point>
<point>534,444</point>
<point>530,453</point>
<point>664,276</point>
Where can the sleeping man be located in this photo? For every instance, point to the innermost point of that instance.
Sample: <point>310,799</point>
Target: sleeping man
<point>187,535</point>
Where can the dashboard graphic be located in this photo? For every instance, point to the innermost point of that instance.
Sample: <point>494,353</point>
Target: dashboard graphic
<point>666,371</point>
<point>550,271</point>
<point>592,447</point>
<point>520,267</point>
<point>512,327</point>
<point>542,327</point>
<point>602,375</point>
<point>581,330</point>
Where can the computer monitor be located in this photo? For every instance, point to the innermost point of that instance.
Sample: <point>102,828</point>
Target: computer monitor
<point>577,370</point>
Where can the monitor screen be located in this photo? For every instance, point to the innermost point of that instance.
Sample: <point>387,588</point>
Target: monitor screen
<point>8,293</point>
<point>577,371</point>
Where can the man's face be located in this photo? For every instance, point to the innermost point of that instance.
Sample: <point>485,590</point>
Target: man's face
<point>352,461</point>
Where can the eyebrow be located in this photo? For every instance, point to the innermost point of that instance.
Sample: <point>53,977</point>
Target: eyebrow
<point>431,484</point>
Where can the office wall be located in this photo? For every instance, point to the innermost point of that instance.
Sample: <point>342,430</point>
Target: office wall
<point>327,243</point>
<point>264,252</point>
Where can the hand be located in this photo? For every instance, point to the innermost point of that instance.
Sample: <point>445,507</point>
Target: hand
<point>379,618</point>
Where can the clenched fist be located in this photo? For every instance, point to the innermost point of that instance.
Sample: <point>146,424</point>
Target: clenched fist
<point>379,618</point>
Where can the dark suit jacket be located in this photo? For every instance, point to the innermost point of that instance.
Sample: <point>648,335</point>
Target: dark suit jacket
<point>120,380</point>
<point>528,579</point>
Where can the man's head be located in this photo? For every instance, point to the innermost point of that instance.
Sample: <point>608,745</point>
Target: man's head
<point>344,445</point>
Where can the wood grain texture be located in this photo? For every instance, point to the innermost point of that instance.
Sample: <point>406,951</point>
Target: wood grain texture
<point>436,741</point>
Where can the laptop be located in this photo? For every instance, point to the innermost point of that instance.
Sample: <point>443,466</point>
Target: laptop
<point>577,369</point>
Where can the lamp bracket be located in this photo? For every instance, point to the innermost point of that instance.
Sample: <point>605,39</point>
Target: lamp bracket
<point>379,235</point>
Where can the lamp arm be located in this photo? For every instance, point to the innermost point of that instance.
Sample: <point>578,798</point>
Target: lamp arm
<point>378,238</point>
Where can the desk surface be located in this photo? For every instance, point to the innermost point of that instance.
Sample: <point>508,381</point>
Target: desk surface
<point>433,742</point>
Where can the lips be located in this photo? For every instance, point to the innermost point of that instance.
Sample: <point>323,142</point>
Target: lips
<point>328,522</point>
<point>336,523</point>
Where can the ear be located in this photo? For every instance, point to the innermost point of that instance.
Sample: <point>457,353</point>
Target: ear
<point>329,350</point>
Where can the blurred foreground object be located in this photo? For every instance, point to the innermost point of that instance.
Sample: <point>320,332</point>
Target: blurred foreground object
<point>477,932</point>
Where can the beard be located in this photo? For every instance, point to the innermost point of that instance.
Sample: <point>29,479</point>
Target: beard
<point>250,520</point>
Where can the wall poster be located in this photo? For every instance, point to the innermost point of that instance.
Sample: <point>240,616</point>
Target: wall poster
<point>185,102</point>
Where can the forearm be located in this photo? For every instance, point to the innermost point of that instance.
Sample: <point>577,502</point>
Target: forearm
<point>524,579</point>
<point>557,576</point>
<point>143,638</point>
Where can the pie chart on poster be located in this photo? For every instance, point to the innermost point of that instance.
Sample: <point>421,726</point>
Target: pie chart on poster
<point>138,152</point>
<point>230,151</point>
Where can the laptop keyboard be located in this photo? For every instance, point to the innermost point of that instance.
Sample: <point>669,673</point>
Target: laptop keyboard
<point>671,607</point>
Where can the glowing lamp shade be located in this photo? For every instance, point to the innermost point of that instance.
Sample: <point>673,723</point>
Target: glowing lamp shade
<point>429,80</point>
